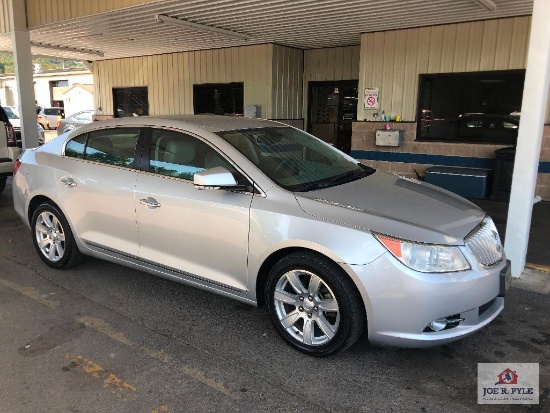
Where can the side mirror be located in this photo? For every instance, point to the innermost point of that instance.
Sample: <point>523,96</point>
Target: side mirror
<point>217,177</point>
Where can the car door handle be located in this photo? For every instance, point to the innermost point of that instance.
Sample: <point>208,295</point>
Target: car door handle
<point>150,202</point>
<point>69,182</point>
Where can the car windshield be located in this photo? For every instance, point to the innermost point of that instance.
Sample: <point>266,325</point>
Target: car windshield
<point>10,113</point>
<point>295,160</point>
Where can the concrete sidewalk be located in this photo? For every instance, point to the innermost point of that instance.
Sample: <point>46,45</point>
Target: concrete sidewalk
<point>533,280</point>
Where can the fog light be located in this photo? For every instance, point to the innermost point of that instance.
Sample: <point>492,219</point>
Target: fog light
<point>439,324</point>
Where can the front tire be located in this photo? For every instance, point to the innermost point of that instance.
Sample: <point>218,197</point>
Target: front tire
<point>53,238</point>
<point>314,305</point>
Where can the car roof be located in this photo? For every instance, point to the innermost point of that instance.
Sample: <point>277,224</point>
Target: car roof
<point>212,123</point>
<point>218,123</point>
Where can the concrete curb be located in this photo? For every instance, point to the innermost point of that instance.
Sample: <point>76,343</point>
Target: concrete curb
<point>531,279</point>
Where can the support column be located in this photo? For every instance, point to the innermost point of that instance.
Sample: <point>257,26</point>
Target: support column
<point>22,57</point>
<point>533,111</point>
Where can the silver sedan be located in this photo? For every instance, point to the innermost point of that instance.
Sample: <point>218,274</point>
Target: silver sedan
<point>266,214</point>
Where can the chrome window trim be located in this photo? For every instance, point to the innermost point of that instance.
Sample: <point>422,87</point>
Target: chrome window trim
<point>259,192</point>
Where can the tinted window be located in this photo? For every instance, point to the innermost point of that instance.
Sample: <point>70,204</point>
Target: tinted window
<point>219,98</point>
<point>181,156</point>
<point>470,107</point>
<point>75,147</point>
<point>112,146</point>
<point>130,101</point>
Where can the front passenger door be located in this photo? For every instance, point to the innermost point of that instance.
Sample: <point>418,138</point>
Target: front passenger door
<point>203,233</point>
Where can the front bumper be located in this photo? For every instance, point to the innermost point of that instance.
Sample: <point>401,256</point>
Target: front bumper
<point>400,302</point>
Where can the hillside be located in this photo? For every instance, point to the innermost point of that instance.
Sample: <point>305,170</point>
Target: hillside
<point>7,65</point>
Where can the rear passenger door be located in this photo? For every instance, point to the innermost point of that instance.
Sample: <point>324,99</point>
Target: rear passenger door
<point>96,180</point>
<point>200,233</point>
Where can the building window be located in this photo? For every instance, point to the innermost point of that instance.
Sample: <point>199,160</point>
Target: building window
<point>130,101</point>
<point>57,90</point>
<point>219,98</point>
<point>480,107</point>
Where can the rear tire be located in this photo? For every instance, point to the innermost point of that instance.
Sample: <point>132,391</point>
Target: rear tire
<point>314,305</point>
<point>53,238</point>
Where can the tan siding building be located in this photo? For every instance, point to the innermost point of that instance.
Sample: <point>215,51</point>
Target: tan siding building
<point>271,74</point>
<point>278,79</point>
<point>393,62</point>
<point>41,12</point>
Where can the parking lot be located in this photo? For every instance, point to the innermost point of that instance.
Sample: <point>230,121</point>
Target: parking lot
<point>105,338</point>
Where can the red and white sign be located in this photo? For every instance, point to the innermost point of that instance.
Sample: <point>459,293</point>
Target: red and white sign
<point>371,98</point>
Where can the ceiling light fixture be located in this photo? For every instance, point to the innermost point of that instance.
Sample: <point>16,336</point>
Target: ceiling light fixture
<point>161,18</point>
<point>488,4</point>
<point>67,49</point>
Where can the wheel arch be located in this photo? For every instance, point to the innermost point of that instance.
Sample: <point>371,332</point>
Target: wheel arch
<point>275,256</point>
<point>35,202</point>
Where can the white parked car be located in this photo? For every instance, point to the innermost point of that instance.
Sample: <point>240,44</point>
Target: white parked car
<point>49,117</point>
<point>9,150</point>
<point>15,122</point>
<point>264,213</point>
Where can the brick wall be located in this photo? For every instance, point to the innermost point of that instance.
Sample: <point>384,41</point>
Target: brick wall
<point>363,139</point>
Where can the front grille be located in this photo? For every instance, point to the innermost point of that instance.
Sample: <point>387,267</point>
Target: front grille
<point>485,244</point>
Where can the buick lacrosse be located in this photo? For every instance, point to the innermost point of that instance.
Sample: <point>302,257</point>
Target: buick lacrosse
<point>264,213</point>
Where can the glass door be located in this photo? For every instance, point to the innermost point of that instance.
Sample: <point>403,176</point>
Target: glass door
<point>332,109</point>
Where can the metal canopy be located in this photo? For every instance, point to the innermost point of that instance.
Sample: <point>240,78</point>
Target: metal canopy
<point>304,24</point>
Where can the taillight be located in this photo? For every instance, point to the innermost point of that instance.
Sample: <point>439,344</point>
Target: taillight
<point>58,123</point>
<point>16,166</point>
<point>12,141</point>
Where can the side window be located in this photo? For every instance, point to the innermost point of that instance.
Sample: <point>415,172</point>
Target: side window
<point>75,147</point>
<point>112,146</point>
<point>182,156</point>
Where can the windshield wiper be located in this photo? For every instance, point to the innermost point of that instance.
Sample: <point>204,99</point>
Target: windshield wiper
<point>312,186</point>
<point>335,180</point>
<point>349,176</point>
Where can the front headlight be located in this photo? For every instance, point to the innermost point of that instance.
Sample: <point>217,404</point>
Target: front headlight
<point>425,257</point>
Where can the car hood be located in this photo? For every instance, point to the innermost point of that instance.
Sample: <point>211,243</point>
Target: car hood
<point>395,206</point>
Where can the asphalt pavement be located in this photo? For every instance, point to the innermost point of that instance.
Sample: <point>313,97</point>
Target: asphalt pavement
<point>105,338</point>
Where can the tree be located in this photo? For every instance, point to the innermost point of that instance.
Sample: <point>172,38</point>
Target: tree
<point>6,62</point>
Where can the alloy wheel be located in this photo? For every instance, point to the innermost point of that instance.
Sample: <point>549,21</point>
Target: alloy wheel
<point>50,236</point>
<point>306,307</point>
